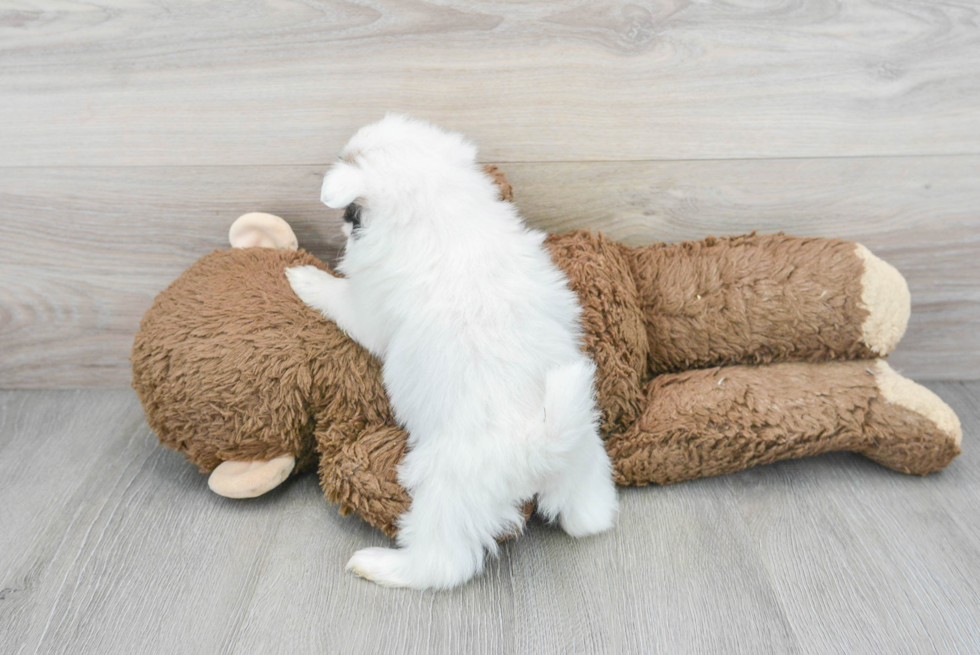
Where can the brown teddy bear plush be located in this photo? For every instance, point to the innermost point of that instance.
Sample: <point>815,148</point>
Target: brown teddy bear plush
<point>712,356</point>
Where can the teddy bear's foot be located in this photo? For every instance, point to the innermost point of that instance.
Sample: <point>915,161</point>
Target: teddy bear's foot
<point>885,296</point>
<point>912,429</point>
<point>234,479</point>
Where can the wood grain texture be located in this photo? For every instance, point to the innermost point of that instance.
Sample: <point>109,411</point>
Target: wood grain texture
<point>680,574</point>
<point>134,558</point>
<point>42,466</point>
<point>305,603</point>
<point>83,251</point>
<point>844,540</point>
<point>112,544</point>
<point>179,82</point>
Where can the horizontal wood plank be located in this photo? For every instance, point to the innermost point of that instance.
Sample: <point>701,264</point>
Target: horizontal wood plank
<point>83,251</point>
<point>215,83</point>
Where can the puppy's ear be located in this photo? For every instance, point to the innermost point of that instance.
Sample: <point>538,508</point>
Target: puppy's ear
<point>466,150</point>
<point>342,185</point>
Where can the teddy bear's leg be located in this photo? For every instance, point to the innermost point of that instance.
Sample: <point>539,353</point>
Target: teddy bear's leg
<point>760,299</point>
<point>720,420</point>
<point>914,431</point>
<point>248,479</point>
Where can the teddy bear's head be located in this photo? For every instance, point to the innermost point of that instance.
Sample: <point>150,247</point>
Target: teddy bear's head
<point>232,367</point>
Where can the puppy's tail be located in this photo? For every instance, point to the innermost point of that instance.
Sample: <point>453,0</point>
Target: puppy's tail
<point>569,405</point>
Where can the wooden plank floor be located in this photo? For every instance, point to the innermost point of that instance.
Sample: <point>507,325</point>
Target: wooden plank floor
<point>111,544</point>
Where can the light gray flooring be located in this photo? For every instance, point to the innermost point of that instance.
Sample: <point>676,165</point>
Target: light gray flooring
<point>111,544</point>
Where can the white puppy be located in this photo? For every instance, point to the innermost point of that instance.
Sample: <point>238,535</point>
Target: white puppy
<point>479,335</point>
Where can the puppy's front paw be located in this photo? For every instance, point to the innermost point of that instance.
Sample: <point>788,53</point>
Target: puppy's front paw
<point>308,284</point>
<point>384,566</point>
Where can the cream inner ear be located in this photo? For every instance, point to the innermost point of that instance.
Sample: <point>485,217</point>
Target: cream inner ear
<point>260,230</point>
<point>248,479</point>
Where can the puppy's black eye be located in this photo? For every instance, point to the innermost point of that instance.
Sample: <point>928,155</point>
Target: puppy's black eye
<point>352,215</point>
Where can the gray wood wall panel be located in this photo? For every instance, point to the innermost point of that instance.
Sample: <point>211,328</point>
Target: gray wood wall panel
<point>131,134</point>
<point>112,544</point>
<point>189,83</point>
<point>84,250</point>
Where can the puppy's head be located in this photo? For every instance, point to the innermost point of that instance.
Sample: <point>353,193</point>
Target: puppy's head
<point>397,164</point>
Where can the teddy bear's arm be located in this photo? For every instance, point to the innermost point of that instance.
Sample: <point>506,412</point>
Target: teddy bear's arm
<point>720,420</point>
<point>759,299</point>
<point>359,469</point>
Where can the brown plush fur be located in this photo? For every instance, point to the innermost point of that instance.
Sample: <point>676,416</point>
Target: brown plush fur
<point>230,365</point>
<point>724,419</point>
<point>770,298</point>
<point>224,368</point>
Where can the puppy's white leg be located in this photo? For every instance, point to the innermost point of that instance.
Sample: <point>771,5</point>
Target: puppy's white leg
<point>583,495</point>
<point>438,552</point>
<point>330,296</point>
<point>444,537</point>
<point>579,491</point>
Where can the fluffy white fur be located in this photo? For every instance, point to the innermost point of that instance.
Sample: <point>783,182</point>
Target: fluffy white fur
<point>479,335</point>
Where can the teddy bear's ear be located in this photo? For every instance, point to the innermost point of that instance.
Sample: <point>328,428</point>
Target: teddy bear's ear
<point>248,479</point>
<point>258,230</point>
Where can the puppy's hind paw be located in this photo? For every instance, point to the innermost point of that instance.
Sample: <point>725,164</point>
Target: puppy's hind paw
<point>585,521</point>
<point>591,513</point>
<point>385,566</point>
